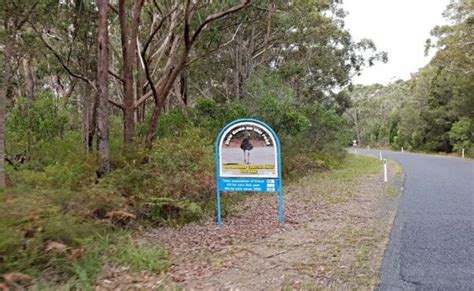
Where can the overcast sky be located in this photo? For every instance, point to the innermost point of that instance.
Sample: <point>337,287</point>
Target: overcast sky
<point>399,27</point>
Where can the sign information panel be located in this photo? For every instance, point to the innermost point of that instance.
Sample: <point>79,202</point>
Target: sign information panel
<point>248,159</point>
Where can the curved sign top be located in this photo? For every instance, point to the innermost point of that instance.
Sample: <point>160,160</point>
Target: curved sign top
<point>248,148</point>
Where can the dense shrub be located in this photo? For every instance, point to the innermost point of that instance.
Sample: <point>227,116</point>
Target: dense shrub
<point>60,162</point>
<point>461,135</point>
<point>56,197</point>
<point>212,116</point>
<point>40,120</point>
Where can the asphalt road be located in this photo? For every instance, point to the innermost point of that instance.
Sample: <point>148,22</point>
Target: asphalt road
<point>432,240</point>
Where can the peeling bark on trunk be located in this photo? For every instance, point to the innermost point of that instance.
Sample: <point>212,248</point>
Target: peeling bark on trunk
<point>181,91</point>
<point>29,78</point>
<point>128,35</point>
<point>103,89</point>
<point>30,95</point>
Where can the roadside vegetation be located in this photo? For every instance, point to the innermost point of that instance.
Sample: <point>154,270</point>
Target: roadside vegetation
<point>109,111</point>
<point>57,220</point>
<point>336,228</point>
<point>60,223</point>
<point>434,110</point>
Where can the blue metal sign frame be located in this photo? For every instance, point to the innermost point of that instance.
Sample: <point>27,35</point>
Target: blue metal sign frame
<point>248,183</point>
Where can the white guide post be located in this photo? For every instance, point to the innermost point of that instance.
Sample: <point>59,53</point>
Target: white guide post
<point>462,154</point>
<point>385,174</point>
<point>402,149</point>
<point>380,154</point>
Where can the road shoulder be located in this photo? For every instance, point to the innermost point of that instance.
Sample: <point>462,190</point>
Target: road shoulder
<point>337,227</point>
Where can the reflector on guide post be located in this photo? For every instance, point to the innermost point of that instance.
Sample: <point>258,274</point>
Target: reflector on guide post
<point>248,159</point>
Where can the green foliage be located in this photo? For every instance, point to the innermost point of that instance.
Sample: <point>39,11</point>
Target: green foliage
<point>283,116</point>
<point>268,85</point>
<point>328,130</point>
<point>164,210</point>
<point>212,116</point>
<point>28,221</point>
<point>169,183</point>
<point>461,133</point>
<point>421,115</point>
<point>433,110</point>
<point>60,162</point>
<point>42,119</point>
<point>302,164</point>
<point>54,196</point>
<point>173,123</point>
<point>139,258</point>
<point>356,166</point>
<point>375,113</point>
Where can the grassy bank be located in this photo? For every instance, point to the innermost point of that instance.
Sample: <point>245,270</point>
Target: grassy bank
<point>337,225</point>
<point>59,225</point>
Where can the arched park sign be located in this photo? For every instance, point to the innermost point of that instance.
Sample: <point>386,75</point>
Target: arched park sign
<point>248,159</point>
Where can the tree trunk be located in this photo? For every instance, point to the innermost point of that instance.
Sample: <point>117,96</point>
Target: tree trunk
<point>129,108</point>
<point>128,36</point>
<point>103,88</point>
<point>357,128</point>
<point>29,78</point>
<point>30,95</point>
<point>128,94</point>
<point>184,89</point>
<point>237,68</point>
<point>5,92</point>
<point>3,99</point>
<point>89,107</point>
<point>177,65</point>
<point>163,92</point>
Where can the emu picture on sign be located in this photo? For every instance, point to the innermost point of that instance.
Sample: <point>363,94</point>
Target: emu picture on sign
<point>248,159</point>
<point>248,150</point>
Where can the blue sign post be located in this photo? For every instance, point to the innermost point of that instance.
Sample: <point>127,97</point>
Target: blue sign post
<point>248,159</point>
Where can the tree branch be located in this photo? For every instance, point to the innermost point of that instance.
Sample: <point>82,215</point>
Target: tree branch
<point>143,98</point>
<point>210,18</point>
<point>155,31</point>
<point>27,16</point>
<point>119,105</point>
<point>113,8</point>
<point>115,76</point>
<point>187,40</point>
<point>61,61</point>
<point>209,52</point>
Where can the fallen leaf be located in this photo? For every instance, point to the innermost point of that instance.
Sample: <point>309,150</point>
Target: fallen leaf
<point>77,254</point>
<point>14,278</point>
<point>120,216</point>
<point>56,247</point>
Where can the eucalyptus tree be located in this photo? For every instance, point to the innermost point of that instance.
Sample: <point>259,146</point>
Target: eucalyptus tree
<point>68,56</point>
<point>317,54</point>
<point>304,42</point>
<point>13,18</point>
<point>375,109</point>
<point>454,56</point>
<point>103,87</point>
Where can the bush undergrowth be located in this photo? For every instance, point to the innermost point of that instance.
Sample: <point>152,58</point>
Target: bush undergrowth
<point>55,200</point>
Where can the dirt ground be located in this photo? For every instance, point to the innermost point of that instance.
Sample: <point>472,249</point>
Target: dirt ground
<point>335,232</point>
